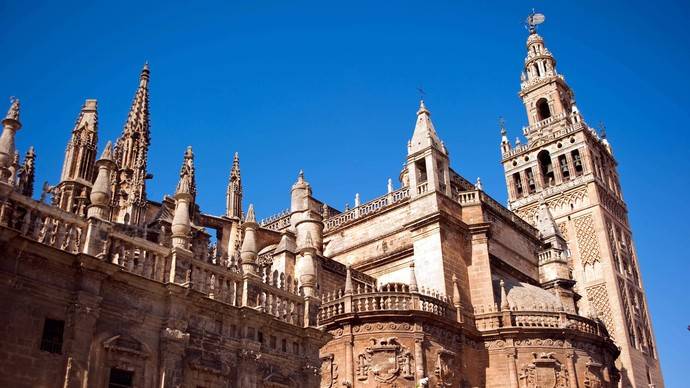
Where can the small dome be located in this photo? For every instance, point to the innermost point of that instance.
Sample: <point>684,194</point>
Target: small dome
<point>524,296</point>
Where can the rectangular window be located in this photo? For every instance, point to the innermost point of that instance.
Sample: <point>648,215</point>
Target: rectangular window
<point>518,184</point>
<point>577,162</point>
<point>295,347</point>
<point>283,346</point>
<point>274,342</point>
<point>532,186</point>
<point>120,378</point>
<point>51,340</point>
<point>563,164</point>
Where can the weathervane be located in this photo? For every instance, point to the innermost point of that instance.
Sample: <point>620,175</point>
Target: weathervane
<point>422,93</point>
<point>533,20</point>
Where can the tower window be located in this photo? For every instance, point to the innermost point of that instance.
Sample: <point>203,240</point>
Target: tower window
<point>543,111</point>
<point>531,185</point>
<point>120,378</point>
<point>517,181</point>
<point>577,162</point>
<point>420,166</point>
<point>51,340</point>
<point>563,164</point>
<point>546,167</point>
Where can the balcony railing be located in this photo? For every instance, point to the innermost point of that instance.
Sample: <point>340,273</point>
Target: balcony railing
<point>366,209</point>
<point>391,297</point>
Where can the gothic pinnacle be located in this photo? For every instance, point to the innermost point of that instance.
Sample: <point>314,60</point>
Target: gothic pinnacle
<point>13,112</point>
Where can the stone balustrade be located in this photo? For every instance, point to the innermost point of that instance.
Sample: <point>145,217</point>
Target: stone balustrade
<point>535,318</point>
<point>365,209</point>
<point>390,297</point>
<point>219,278</point>
<point>475,197</point>
<point>43,223</point>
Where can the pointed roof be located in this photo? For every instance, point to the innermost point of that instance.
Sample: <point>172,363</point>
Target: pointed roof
<point>138,117</point>
<point>545,223</point>
<point>251,217</point>
<point>424,134</point>
<point>88,116</point>
<point>107,152</point>
<point>13,112</point>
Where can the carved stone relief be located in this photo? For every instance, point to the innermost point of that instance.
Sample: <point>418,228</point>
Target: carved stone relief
<point>329,371</point>
<point>545,371</point>
<point>386,360</point>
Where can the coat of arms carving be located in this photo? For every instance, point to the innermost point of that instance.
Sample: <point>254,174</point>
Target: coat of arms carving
<point>545,371</point>
<point>386,360</point>
<point>329,371</point>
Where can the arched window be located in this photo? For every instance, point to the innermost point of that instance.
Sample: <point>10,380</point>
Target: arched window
<point>546,167</point>
<point>543,111</point>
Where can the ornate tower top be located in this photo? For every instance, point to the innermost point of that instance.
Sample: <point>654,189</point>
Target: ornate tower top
<point>424,135</point>
<point>13,112</point>
<point>233,195</point>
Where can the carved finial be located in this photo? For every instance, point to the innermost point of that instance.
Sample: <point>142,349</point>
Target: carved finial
<point>348,280</point>
<point>504,296</point>
<point>300,176</point>
<point>422,108</point>
<point>389,186</point>
<point>13,112</point>
<point>602,130</point>
<point>478,184</point>
<point>502,125</point>
<point>413,279</point>
<point>357,200</point>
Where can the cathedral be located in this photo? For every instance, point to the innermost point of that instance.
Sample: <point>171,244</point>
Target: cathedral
<point>432,284</point>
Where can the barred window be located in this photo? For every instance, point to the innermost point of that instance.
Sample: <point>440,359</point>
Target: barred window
<point>51,340</point>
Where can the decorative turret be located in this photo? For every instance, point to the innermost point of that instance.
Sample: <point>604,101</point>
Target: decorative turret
<point>26,175</point>
<point>101,190</point>
<point>233,196</point>
<point>427,158</point>
<point>131,153</point>
<point>10,126</point>
<point>184,197</point>
<point>249,251</point>
<point>80,156</point>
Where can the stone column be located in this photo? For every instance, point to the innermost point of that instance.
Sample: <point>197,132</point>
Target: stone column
<point>349,355</point>
<point>247,372</point>
<point>420,370</point>
<point>512,368</point>
<point>173,346</point>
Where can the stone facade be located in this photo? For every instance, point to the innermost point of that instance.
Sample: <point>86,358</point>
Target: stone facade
<point>433,283</point>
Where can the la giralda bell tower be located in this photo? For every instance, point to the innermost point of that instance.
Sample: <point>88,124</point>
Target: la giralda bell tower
<point>571,168</point>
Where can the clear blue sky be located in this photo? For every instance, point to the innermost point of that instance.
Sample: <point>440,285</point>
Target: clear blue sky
<point>332,89</point>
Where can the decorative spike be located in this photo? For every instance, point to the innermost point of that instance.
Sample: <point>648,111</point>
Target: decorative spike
<point>251,217</point>
<point>413,279</point>
<point>504,297</point>
<point>348,280</point>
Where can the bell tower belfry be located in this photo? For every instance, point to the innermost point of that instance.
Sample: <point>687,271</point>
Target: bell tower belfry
<point>569,168</point>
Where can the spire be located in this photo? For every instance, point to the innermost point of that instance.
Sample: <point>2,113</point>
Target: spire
<point>27,173</point>
<point>233,194</point>
<point>80,156</point>
<point>424,134</point>
<point>131,154</point>
<point>10,125</point>
<point>184,196</point>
